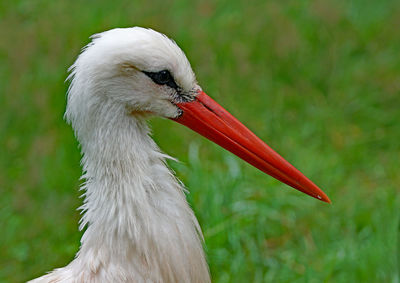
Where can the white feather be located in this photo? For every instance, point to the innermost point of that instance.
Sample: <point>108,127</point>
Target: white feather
<point>139,226</point>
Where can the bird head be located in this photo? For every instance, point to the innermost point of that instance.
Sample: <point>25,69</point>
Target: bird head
<point>138,68</point>
<point>140,72</point>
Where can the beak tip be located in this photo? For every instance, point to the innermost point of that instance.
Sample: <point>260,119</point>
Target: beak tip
<point>323,197</point>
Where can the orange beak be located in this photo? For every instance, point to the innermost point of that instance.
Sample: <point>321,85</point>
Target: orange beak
<point>209,119</point>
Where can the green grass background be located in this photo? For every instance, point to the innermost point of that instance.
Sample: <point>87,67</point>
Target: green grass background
<point>319,80</point>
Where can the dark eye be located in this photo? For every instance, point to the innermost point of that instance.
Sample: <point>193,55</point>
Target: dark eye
<point>163,77</point>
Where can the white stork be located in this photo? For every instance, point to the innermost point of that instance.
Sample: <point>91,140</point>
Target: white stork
<point>140,227</point>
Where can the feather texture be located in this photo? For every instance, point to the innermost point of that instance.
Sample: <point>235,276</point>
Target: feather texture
<point>139,226</point>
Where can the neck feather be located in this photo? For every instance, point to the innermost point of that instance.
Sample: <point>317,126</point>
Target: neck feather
<point>139,225</point>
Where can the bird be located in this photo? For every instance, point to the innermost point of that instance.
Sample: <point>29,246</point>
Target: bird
<point>137,223</point>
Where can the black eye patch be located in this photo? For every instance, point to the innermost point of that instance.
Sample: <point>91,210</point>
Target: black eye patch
<point>163,77</point>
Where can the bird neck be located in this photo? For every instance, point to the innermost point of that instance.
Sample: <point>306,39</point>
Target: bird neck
<point>135,211</point>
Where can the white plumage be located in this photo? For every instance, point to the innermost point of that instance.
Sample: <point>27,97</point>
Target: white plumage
<point>139,226</point>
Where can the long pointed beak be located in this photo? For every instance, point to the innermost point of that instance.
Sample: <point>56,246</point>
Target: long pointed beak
<point>209,119</point>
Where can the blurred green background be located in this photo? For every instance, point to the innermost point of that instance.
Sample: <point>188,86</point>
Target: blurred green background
<point>318,80</point>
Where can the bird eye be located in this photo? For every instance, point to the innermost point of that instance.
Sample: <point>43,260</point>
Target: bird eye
<point>163,77</point>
